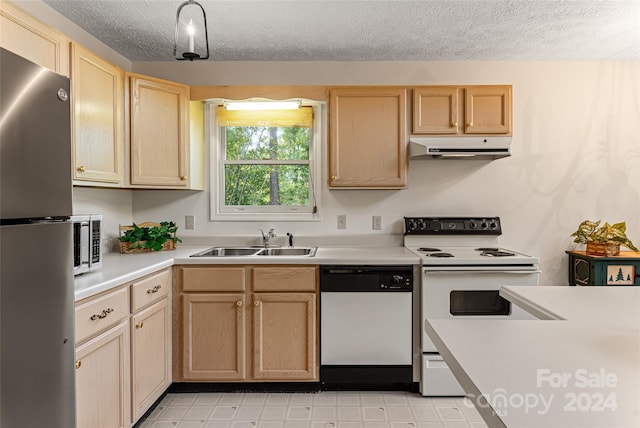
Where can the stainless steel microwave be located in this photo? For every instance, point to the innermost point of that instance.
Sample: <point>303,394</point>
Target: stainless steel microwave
<point>87,252</point>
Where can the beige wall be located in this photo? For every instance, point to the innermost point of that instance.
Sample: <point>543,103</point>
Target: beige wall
<point>576,153</point>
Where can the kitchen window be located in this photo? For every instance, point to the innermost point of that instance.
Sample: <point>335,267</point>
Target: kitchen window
<point>265,163</point>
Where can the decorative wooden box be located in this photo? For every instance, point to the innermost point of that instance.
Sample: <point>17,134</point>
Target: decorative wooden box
<point>588,269</point>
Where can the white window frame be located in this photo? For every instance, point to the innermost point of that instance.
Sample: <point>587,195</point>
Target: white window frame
<point>220,212</point>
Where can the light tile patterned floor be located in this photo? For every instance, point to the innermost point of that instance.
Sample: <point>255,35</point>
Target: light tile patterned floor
<point>312,410</point>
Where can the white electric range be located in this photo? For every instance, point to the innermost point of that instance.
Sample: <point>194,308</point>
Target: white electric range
<point>463,268</point>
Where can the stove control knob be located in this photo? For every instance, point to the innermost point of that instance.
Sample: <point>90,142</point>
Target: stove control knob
<point>473,225</point>
<point>493,225</point>
<point>422,224</point>
<point>411,225</point>
<point>484,224</point>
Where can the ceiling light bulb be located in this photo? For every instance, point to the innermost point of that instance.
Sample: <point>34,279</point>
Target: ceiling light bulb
<point>191,31</point>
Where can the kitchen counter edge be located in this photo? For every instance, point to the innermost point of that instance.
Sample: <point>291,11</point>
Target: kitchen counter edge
<point>118,269</point>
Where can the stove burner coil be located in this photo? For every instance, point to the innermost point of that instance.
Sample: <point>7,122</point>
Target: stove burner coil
<point>482,249</point>
<point>429,249</point>
<point>440,255</point>
<point>496,253</point>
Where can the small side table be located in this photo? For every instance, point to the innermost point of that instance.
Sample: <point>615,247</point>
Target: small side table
<point>586,269</point>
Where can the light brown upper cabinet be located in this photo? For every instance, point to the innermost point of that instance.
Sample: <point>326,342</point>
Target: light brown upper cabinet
<point>159,133</point>
<point>459,110</point>
<point>98,119</point>
<point>368,138</point>
<point>33,40</point>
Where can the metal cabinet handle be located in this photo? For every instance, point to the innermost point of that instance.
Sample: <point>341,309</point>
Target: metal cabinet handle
<point>78,364</point>
<point>81,168</point>
<point>239,303</point>
<point>140,324</point>
<point>104,314</point>
<point>454,125</point>
<point>256,303</point>
<point>183,177</point>
<point>333,177</point>
<point>154,289</point>
<point>470,124</point>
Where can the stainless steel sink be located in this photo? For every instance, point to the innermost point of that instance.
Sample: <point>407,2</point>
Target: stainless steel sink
<point>257,251</point>
<point>296,251</point>
<point>228,252</point>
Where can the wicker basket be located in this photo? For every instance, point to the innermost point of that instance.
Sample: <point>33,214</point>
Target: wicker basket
<point>125,247</point>
<point>605,249</point>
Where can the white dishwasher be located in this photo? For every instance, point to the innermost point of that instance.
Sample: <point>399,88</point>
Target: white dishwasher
<point>366,325</point>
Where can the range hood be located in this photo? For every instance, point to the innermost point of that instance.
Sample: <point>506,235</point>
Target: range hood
<point>488,147</point>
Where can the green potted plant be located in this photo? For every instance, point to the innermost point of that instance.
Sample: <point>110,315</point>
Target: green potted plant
<point>148,236</point>
<point>603,240</point>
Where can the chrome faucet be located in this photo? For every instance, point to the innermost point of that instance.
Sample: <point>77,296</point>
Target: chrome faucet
<point>266,237</point>
<point>290,235</point>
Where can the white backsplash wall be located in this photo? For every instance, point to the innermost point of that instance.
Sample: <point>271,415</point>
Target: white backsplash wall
<point>576,154</point>
<point>115,205</point>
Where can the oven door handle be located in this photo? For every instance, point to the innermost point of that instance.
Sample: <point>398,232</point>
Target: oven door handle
<point>449,272</point>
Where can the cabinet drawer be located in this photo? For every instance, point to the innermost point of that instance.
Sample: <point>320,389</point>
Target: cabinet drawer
<point>101,313</point>
<point>213,279</point>
<point>150,289</point>
<point>284,278</point>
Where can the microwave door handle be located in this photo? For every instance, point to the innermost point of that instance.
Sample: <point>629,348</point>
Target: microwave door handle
<point>84,243</point>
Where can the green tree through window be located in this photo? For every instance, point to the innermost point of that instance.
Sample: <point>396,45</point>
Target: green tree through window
<point>266,165</point>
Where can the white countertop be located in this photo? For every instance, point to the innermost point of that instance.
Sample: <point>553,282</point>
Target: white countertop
<point>615,306</point>
<point>513,364</point>
<point>120,268</point>
<point>590,337</point>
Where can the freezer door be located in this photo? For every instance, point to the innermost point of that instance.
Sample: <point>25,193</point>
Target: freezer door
<point>35,140</point>
<point>37,379</point>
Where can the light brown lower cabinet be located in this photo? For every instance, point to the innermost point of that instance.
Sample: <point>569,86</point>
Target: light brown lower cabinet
<point>123,352</point>
<point>284,336</point>
<point>150,356</point>
<point>214,336</point>
<point>269,335</point>
<point>102,380</point>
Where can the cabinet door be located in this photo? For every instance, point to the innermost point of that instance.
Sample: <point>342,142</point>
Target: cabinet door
<point>159,132</point>
<point>98,118</point>
<point>213,337</point>
<point>150,356</point>
<point>284,336</point>
<point>102,380</point>
<point>368,138</point>
<point>31,39</point>
<point>487,110</point>
<point>435,110</point>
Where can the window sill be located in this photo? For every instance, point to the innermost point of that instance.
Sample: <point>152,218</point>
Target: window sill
<point>265,217</point>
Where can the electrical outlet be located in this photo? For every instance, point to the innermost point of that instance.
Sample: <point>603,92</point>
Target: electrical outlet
<point>190,222</point>
<point>376,222</point>
<point>342,221</point>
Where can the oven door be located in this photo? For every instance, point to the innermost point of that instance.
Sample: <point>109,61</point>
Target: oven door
<point>471,293</point>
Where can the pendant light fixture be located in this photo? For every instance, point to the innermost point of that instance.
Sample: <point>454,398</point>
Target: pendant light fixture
<point>190,24</point>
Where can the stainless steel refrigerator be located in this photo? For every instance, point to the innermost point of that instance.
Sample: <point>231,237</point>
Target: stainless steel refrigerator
<point>37,379</point>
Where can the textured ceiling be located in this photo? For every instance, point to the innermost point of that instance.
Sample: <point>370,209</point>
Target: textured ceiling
<point>396,30</point>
